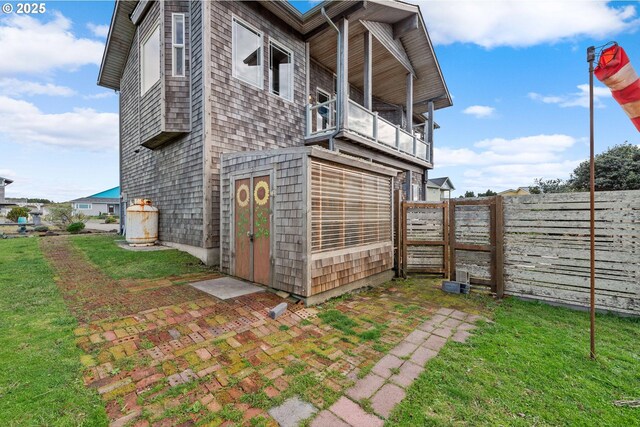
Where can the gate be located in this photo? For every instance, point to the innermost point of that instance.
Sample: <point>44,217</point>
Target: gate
<point>440,238</point>
<point>424,237</point>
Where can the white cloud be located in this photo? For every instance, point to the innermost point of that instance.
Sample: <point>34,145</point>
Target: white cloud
<point>16,87</point>
<point>98,30</point>
<point>32,46</point>
<point>479,111</point>
<point>523,23</point>
<point>100,95</point>
<point>24,123</point>
<point>500,163</point>
<point>575,99</point>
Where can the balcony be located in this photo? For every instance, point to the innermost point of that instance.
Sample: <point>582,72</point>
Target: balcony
<point>363,123</point>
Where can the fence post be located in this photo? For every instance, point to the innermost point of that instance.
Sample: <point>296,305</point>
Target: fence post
<point>452,239</point>
<point>445,237</point>
<point>404,239</point>
<point>499,231</point>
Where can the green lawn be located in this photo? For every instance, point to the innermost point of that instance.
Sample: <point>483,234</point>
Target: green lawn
<point>40,370</point>
<point>119,263</point>
<point>531,367</point>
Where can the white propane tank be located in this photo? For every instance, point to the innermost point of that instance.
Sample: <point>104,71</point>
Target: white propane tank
<point>142,223</point>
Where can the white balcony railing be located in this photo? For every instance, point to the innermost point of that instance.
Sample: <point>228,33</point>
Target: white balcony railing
<point>321,119</point>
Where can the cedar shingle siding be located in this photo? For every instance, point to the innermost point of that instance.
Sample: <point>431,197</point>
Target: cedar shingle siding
<point>171,175</point>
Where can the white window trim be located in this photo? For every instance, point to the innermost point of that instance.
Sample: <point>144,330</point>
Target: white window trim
<point>291,78</point>
<point>175,45</point>
<point>142,91</point>
<point>233,44</point>
<point>90,206</point>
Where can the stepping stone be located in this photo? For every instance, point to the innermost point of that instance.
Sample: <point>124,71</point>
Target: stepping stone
<point>386,399</point>
<point>353,414</point>
<point>417,336</point>
<point>226,287</point>
<point>451,323</point>
<point>467,327</point>
<point>365,387</point>
<point>461,336</point>
<point>292,412</point>
<point>444,332</point>
<point>384,365</point>
<point>435,343</point>
<point>327,419</point>
<point>445,311</point>
<point>408,372</point>
<point>460,315</point>
<point>403,349</point>
<point>422,355</point>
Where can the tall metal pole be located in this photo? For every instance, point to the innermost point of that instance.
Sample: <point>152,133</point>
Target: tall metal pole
<point>591,54</point>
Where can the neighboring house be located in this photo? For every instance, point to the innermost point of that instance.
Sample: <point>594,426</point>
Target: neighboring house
<point>439,189</point>
<point>105,202</point>
<point>520,191</point>
<point>199,80</point>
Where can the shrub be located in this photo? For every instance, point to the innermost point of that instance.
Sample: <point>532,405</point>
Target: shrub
<point>62,215</point>
<point>16,213</point>
<point>41,228</point>
<point>110,220</point>
<point>75,227</point>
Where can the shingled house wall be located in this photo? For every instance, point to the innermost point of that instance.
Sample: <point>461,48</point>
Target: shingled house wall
<point>172,175</point>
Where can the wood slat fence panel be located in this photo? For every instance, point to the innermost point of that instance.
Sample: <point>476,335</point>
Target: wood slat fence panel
<point>546,249</point>
<point>425,237</point>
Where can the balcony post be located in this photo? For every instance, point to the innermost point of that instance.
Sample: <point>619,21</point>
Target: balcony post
<point>397,137</point>
<point>429,134</point>
<point>409,106</point>
<point>368,70</point>
<point>308,119</point>
<point>415,145</point>
<point>343,75</point>
<point>375,126</point>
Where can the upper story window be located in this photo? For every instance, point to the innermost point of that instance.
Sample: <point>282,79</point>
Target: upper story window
<point>247,53</point>
<point>280,71</point>
<point>150,60</point>
<point>177,24</point>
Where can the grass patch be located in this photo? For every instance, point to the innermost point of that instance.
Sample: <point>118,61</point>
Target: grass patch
<point>348,326</point>
<point>40,370</point>
<point>531,367</point>
<point>119,263</point>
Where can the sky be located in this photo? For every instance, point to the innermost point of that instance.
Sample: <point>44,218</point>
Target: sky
<point>517,72</point>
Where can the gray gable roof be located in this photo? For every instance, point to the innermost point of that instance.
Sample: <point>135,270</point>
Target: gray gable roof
<point>441,182</point>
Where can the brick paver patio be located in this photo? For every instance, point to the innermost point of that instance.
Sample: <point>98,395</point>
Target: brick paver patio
<point>161,353</point>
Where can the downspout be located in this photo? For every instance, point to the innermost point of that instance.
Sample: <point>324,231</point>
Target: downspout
<point>339,93</point>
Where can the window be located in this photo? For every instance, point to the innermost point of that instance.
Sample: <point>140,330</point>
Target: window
<point>247,53</point>
<point>83,206</point>
<point>280,71</point>
<point>178,44</point>
<point>349,207</point>
<point>150,60</point>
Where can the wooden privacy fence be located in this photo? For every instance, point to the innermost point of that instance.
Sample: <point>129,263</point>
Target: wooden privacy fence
<point>534,246</point>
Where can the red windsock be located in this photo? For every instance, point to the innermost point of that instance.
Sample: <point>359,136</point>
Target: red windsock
<point>615,71</point>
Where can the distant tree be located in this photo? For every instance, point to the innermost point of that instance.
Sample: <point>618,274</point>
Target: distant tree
<point>17,212</point>
<point>549,186</point>
<point>469,194</point>
<point>618,168</point>
<point>62,215</point>
<point>37,200</point>
<point>487,193</point>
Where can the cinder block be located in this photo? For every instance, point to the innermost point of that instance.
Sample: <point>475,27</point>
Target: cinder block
<point>278,310</point>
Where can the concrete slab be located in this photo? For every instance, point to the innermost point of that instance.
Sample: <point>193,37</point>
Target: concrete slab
<point>292,412</point>
<point>226,287</point>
